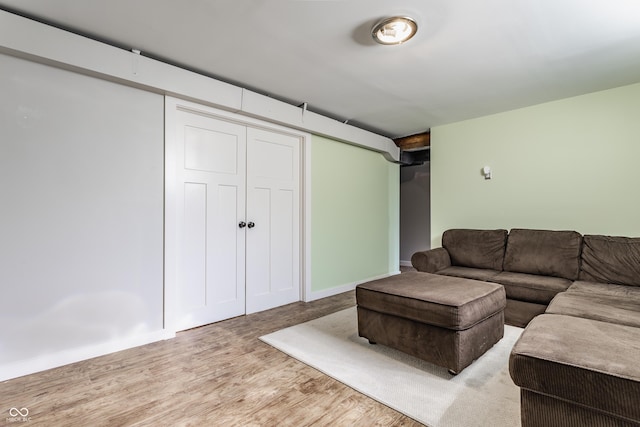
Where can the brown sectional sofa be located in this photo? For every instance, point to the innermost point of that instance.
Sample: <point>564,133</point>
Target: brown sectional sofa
<point>577,361</point>
<point>532,265</point>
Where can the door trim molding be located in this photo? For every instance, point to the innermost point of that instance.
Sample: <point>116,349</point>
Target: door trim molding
<point>172,105</point>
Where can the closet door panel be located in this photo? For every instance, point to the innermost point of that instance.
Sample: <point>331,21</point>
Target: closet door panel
<point>273,245</point>
<point>211,171</point>
<point>195,246</point>
<point>259,238</point>
<point>282,272</point>
<point>224,260</point>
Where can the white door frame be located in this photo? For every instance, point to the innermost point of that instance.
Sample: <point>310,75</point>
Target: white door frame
<point>171,204</point>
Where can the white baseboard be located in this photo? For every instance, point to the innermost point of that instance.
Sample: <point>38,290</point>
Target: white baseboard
<point>405,263</point>
<point>315,295</point>
<point>65,357</point>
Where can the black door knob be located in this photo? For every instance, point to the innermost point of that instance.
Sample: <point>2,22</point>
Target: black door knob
<point>242,224</point>
<point>251,225</point>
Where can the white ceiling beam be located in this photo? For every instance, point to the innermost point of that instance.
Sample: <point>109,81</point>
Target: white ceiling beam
<point>42,43</point>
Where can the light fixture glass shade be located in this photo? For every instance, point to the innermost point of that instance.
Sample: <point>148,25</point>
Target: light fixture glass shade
<point>395,30</point>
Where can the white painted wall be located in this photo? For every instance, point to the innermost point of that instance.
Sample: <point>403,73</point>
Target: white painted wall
<point>81,216</point>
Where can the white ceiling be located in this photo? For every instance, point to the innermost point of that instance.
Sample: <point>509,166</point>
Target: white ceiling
<point>470,58</point>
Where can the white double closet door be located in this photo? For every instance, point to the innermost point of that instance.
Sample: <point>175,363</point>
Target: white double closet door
<point>238,231</point>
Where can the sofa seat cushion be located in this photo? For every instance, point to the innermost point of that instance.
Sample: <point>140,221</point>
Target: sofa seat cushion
<point>519,313</point>
<point>543,252</point>
<point>598,307</point>
<point>482,274</point>
<point>475,248</point>
<point>611,260</point>
<point>531,287</point>
<point>447,302</point>
<point>580,360</point>
<point>608,289</point>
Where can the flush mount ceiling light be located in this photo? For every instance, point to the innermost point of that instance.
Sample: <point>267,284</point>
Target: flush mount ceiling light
<point>394,30</point>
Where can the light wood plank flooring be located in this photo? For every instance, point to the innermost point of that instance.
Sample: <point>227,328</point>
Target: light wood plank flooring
<point>216,375</point>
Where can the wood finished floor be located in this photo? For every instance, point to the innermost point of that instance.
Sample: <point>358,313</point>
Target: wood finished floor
<point>216,375</point>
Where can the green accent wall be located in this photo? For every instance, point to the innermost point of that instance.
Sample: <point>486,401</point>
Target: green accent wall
<point>354,214</point>
<point>569,164</point>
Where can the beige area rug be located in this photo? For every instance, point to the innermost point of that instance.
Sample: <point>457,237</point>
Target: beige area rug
<point>481,395</point>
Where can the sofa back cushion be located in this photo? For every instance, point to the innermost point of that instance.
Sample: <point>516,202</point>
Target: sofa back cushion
<point>475,248</point>
<point>611,260</point>
<point>544,252</point>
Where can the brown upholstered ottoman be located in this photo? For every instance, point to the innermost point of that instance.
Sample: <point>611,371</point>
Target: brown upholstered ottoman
<point>447,321</point>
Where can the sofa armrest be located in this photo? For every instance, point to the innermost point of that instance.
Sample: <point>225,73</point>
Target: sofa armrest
<point>431,261</point>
